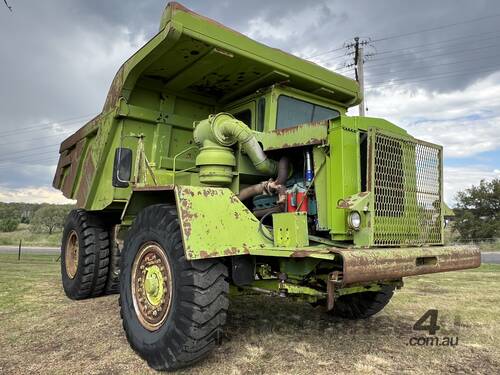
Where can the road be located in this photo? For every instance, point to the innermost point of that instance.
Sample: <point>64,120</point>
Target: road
<point>486,257</point>
<point>30,250</point>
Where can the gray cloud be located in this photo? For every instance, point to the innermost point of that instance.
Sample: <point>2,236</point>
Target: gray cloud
<point>59,56</point>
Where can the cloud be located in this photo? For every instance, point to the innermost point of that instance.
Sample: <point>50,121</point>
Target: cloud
<point>61,55</point>
<point>466,122</point>
<point>33,194</point>
<point>460,178</point>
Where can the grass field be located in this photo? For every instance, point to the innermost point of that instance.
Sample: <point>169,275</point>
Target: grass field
<point>41,331</point>
<point>30,238</point>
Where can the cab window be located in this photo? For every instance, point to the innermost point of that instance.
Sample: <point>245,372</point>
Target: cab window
<point>244,116</point>
<point>293,112</point>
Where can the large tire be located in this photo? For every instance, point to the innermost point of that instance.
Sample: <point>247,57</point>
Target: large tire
<point>113,280</point>
<point>84,255</point>
<point>188,325</point>
<point>362,305</point>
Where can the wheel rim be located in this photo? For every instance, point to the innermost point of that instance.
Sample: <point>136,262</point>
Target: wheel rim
<point>151,286</point>
<point>71,254</point>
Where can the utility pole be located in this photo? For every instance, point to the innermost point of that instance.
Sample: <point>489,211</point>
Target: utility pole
<point>361,77</point>
<point>359,59</point>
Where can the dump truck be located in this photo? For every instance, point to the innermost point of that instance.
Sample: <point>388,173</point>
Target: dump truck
<point>218,161</point>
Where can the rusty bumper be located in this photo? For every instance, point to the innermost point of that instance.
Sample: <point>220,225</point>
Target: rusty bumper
<point>365,265</point>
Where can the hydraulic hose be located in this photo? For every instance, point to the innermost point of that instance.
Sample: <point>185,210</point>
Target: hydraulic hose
<point>260,188</point>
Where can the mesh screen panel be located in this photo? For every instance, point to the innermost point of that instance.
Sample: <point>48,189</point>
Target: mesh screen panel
<point>406,185</point>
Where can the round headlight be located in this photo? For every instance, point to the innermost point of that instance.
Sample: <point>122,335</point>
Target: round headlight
<point>354,220</point>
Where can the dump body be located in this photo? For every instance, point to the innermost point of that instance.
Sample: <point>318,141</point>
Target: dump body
<point>350,168</point>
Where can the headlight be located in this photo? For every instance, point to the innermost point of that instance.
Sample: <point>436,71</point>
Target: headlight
<point>354,220</point>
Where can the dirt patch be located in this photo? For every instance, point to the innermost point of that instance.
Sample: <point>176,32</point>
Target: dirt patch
<point>43,332</point>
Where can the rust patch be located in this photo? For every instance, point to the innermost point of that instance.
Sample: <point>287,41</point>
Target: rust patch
<point>206,254</point>
<point>231,251</point>
<point>186,216</point>
<point>391,264</point>
<point>301,254</point>
<point>86,179</point>
<point>297,128</point>
<point>73,159</point>
<point>155,188</point>
<point>87,129</point>
<point>344,203</point>
<point>115,90</point>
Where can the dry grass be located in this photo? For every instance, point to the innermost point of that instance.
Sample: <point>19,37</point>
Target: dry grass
<point>29,238</point>
<point>43,332</point>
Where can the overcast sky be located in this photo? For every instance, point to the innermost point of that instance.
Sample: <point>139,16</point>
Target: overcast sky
<point>58,58</point>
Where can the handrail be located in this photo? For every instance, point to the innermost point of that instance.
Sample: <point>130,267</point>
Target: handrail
<point>175,158</point>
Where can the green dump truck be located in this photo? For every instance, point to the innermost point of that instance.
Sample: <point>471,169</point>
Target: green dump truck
<point>219,161</point>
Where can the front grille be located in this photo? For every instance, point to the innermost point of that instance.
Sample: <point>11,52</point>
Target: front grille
<point>406,177</point>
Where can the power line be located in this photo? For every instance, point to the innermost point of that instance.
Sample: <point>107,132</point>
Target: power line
<point>23,157</point>
<point>428,78</point>
<point>37,162</point>
<point>434,65</point>
<point>51,136</point>
<point>417,32</point>
<point>324,53</point>
<point>412,48</point>
<point>426,44</point>
<point>428,57</point>
<point>436,28</point>
<point>22,152</point>
<point>44,124</point>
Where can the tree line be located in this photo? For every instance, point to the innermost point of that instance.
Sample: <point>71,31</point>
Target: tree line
<point>477,214</point>
<point>41,218</point>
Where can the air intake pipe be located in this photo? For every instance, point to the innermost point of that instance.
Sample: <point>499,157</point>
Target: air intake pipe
<point>216,159</point>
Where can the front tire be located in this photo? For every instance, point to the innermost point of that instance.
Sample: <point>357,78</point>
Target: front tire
<point>362,305</point>
<point>173,310</point>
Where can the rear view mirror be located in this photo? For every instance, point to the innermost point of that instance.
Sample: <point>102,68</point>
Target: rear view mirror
<point>122,167</point>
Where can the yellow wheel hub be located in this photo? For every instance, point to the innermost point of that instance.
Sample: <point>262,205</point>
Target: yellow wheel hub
<point>71,254</point>
<point>153,285</point>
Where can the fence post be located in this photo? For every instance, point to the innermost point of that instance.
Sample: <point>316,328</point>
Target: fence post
<point>19,252</point>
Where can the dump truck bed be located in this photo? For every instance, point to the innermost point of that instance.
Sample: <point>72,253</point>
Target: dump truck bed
<point>202,61</point>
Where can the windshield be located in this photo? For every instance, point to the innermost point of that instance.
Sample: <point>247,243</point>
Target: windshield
<point>293,112</point>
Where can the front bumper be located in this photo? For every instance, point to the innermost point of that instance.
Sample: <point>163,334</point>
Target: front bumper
<point>368,265</point>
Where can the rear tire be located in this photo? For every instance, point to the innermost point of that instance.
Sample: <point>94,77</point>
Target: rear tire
<point>113,280</point>
<point>84,255</point>
<point>192,307</point>
<point>362,305</point>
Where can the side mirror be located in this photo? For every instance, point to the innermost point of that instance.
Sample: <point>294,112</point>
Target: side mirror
<point>122,167</point>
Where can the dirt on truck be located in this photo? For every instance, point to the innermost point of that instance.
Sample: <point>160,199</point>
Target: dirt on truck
<point>219,161</point>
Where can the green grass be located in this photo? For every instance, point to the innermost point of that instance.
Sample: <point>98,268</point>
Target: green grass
<point>29,238</point>
<point>44,332</point>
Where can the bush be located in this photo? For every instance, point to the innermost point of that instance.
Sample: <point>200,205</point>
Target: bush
<point>8,225</point>
<point>49,218</point>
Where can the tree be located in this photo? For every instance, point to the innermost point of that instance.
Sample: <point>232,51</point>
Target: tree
<point>478,211</point>
<point>8,225</point>
<point>49,218</point>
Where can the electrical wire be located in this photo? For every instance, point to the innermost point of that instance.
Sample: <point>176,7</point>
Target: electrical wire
<point>44,124</point>
<point>425,78</point>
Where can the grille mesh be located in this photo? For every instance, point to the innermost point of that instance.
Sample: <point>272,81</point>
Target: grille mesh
<point>407,191</point>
